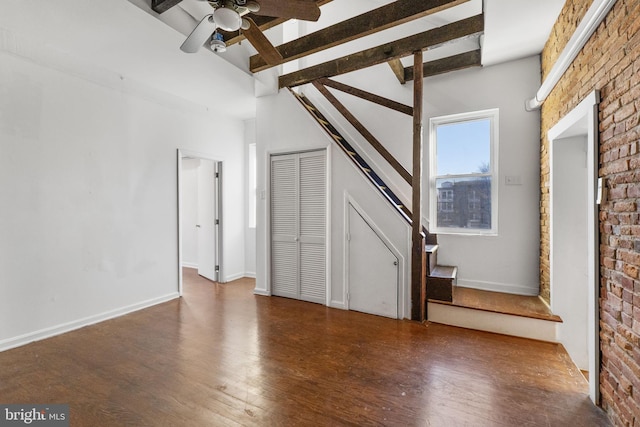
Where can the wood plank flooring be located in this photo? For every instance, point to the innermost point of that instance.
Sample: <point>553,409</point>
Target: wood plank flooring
<point>498,302</point>
<point>221,356</point>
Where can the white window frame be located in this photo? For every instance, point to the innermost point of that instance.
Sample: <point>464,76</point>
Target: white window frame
<point>493,116</point>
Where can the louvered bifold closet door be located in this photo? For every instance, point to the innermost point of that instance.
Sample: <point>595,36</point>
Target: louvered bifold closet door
<point>312,208</point>
<point>298,226</point>
<point>284,226</point>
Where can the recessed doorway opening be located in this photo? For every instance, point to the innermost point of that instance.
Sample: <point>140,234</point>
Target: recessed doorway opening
<point>574,253</point>
<point>199,215</point>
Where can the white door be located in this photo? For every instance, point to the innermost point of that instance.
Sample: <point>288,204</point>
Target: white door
<point>207,217</point>
<point>284,226</point>
<point>373,270</point>
<point>298,226</point>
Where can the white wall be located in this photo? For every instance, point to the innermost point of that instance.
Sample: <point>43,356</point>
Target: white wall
<point>507,262</point>
<point>189,193</point>
<point>250,232</point>
<point>88,189</point>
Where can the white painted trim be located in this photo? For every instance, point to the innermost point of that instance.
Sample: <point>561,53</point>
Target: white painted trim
<point>261,292</point>
<point>402,311</point>
<point>189,265</point>
<point>499,323</point>
<point>80,323</point>
<point>328,222</point>
<point>232,277</point>
<point>588,108</point>
<point>592,19</point>
<point>496,287</point>
<point>250,274</point>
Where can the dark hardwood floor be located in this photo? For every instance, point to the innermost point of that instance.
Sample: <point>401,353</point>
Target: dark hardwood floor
<point>221,356</point>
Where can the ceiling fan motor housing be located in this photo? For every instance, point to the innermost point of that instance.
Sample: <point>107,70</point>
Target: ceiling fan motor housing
<point>217,42</point>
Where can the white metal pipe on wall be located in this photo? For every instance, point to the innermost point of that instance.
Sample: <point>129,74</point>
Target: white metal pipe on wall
<point>592,19</point>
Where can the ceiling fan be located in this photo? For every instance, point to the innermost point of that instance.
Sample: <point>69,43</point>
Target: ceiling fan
<point>232,15</point>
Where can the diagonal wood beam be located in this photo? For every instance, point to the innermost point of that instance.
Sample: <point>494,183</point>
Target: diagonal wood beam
<point>264,23</point>
<point>398,69</point>
<point>396,13</point>
<point>364,132</point>
<point>371,97</point>
<point>160,6</point>
<point>386,52</point>
<point>445,65</point>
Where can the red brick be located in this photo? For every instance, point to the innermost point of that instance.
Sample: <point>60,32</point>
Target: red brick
<point>624,206</point>
<point>633,191</point>
<point>624,112</point>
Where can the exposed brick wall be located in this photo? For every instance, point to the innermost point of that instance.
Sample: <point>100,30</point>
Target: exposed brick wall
<point>609,62</point>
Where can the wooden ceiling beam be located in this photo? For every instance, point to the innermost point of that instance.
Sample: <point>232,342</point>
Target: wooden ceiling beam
<point>160,6</point>
<point>446,65</point>
<point>396,13</point>
<point>368,96</point>
<point>386,52</point>
<point>398,69</point>
<point>264,23</point>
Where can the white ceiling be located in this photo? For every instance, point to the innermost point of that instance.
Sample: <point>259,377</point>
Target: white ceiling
<point>115,35</point>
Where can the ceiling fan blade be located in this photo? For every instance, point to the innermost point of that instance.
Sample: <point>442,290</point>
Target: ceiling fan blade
<point>307,10</point>
<point>262,44</point>
<point>199,35</point>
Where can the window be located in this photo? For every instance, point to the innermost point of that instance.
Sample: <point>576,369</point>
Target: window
<point>463,173</point>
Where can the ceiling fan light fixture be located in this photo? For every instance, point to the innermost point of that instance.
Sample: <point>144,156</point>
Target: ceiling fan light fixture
<point>227,19</point>
<point>252,6</point>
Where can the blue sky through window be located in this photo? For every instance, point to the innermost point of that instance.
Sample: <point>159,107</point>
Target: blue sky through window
<point>463,147</point>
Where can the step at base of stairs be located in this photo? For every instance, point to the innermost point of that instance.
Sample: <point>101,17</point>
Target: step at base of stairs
<point>441,282</point>
<point>517,315</point>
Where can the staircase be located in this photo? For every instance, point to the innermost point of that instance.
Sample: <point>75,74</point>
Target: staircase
<point>523,316</point>
<point>440,278</point>
<point>356,158</point>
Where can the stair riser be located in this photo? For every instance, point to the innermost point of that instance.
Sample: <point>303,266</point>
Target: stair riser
<point>506,324</point>
<point>440,289</point>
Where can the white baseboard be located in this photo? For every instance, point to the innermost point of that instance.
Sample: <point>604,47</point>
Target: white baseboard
<point>190,264</point>
<point>232,277</point>
<point>497,287</point>
<point>30,337</point>
<point>338,304</point>
<point>506,324</point>
<point>262,292</point>
<point>250,274</point>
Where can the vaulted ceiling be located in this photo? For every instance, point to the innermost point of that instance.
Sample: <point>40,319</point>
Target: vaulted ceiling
<point>455,33</point>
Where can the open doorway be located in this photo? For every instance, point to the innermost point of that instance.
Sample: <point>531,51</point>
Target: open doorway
<point>199,215</point>
<point>574,251</point>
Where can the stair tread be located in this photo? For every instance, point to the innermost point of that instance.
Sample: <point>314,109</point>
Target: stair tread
<point>444,271</point>
<point>430,248</point>
<point>499,302</point>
